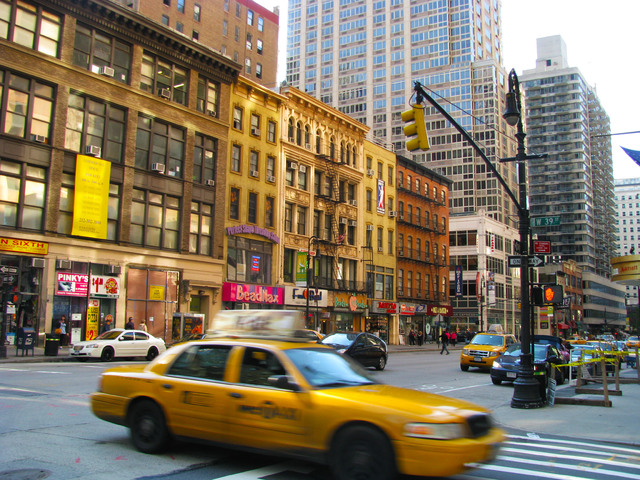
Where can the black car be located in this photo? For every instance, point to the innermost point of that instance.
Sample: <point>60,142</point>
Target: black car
<point>366,348</point>
<point>505,368</point>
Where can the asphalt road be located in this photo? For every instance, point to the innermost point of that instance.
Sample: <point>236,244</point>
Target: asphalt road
<point>48,431</point>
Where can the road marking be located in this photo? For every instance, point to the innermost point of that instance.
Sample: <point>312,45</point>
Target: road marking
<point>262,472</point>
<point>581,468</point>
<point>633,451</point>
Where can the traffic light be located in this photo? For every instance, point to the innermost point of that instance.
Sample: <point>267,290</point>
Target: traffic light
<point>548,294</point>
<point>417,128</point>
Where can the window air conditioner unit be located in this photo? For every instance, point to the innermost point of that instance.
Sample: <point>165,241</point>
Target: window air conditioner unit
<point>271,178</point>
<point>370,228</point>
<point>352,223</point>
<point>157,167</point>
<point>292,140</point>
<point>380,249</point>
<point>401,216</point>
<point>255,173</point>
<point>255,131</point>
<point>63,264</point>
<point>302,168</point>
<point>210,183</point>
<point>293,165</point>
<point>343,220</point>
<point>307,146</point>
<point>114,269</point>
<point>393,213</point>
<point>370,172</point>
<point>212,113</point>
<point>401,253</point>
<point>92,150</point>
<point>165,93</point>
<point>353,203</point>
<point>106,71</point>
<point>39,138</point>
<point>37,262</point>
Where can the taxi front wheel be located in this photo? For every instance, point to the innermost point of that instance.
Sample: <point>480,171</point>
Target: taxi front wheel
<point>362,453</point>
<point>149,431</point>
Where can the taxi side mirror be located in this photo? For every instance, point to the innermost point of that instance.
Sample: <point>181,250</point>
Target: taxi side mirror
<point>284,382</point>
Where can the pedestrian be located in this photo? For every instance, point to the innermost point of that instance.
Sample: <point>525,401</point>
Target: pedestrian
<point>444,339</point>
<point>412,337</point>
<point>143,326</point>
<point>129,325</point>
<point>453,337</point>
<point>420,338</point>
<point>108,324</point>
<point>63,331</point>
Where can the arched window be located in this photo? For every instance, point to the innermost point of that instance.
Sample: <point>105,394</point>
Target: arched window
<point>354,158</point>
<point>332,148</point>
<point>291,129</point>
<point>307,137</point>
<point>318,141</point>
<point>299,133</point>
<point>343,157</point>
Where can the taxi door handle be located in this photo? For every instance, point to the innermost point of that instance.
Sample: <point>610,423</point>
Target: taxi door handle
<point>235,395</point>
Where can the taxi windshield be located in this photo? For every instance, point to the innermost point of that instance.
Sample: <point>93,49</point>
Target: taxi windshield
<point>324,368</point>
<point>493,340</point>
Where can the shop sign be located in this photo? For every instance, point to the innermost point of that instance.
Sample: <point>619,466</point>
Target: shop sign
<point>263,232</point>
<point>407,309</point>
<point>104,286</point>
<point>248,293</point>
<point>385,307</point>
<point>93,314</point>
<point>156,292</point>
<point>72,284</point>
<point>298,296</point>
<point>23,246</point>
<point>350,302</point>
<point>444,310</point>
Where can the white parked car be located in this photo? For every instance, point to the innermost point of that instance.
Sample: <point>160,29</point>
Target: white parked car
<point>119,343</point>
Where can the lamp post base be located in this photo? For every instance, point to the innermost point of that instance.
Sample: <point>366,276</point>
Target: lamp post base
<point>526,392</point>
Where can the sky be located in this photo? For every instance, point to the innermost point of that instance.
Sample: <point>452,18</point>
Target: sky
<point>602,42</point>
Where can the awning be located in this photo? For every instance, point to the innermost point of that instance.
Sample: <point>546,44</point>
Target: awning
<point>563,326</point>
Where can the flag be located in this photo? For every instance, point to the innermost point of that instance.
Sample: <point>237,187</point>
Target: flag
<point>634,154</point>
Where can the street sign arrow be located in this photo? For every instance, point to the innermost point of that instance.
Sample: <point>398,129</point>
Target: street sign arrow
<point>5,269</point>
<point>534,261</point>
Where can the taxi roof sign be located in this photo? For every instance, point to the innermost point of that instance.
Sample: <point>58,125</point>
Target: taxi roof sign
<point>270,323</point>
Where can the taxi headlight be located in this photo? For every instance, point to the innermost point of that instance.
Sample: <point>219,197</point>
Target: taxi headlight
<point>434,431</point>
<point>494,354</point>
<point>465,351</point>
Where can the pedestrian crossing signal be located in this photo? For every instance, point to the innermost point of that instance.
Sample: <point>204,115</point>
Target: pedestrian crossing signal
<point>548,294</point>
<point>417,128</point>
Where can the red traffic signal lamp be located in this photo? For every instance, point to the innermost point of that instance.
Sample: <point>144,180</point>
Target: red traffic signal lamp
<point>546,294</point>
<point>417,128</point>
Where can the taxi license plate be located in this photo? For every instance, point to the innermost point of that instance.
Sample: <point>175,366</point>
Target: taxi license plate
<point>512,374</point>
<point>477,359</point>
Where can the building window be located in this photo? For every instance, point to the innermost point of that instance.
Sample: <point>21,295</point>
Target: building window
<point>225,28</point>
<point>249,17</point>
<point>201,228</point>
<point>252,211</point>
<point>159,144</point>
<point>238,10</point>
<point>234,204</point>
<point>237,118</point>
<point>195,35</point>
<point>155,220</point>
<point>255,124</point>
<point>165,20</point>
<point>260,24</point>
<point>163,78</point>
<point>259,46</point>
<point>380,239</point>
<point>302,177</point>
<point>207,96</point>
<point>181,6</point>
<point>390,180</point>
<point>27,111</point>
<point>302,220</point>
<point>249,260</point>
<point>249,41</point>
<point>390,242</point>
<point>167,2</point>
<point>271,169</point>
<point>269,208</point>
<point>94,123</point>
<point>288,217</point>
<point>22,196</point>
<point>236,158</point>
<point>30,26</point>
<point>204,159</point>
<point>196,12</point>
<point>102,54</point>
<point>271,131</point>
<point>179,27</point>
<point>258,70</point>
<point>369,200</point>
<point>254,163</point>
<point>247,66</point>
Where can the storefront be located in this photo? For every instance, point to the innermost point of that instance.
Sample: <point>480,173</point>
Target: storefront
<point>381,315</point>
<point>313,301</point>
<point>347,314</point>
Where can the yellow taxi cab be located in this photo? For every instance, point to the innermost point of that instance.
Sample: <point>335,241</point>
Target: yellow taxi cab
<point>633,342</point>
<point>255,387</point>
<point>483,349</point>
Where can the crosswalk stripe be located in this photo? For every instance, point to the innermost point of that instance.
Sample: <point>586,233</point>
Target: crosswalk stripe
<point>530,452</point>
<point>569,449</point>
<point>271,470</point>
<point>581,468</point>
<point>528,473</point>
<point>535,440</point>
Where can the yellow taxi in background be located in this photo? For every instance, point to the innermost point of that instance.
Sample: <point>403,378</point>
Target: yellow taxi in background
<point>633,342</point>
<point>255,387</point>
<point>483,349</point>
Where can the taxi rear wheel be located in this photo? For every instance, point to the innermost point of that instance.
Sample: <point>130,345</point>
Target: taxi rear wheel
<point>362,453</point>
<point>149,431</point>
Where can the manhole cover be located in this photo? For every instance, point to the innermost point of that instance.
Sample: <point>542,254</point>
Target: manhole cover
<point>25,474</point>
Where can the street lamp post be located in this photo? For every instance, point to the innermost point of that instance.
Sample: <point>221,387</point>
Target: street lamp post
<point>310,274</point>
<point>526,393</point>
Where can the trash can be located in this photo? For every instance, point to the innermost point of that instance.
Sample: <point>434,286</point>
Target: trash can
<point>51,345</point>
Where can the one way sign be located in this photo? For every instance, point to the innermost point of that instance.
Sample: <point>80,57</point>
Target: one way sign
<point>534,261</point>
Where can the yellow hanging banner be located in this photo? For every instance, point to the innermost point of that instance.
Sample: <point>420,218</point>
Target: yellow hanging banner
<point>91,198</point>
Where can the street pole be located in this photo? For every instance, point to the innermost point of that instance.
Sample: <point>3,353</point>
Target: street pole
<point>310,274</point>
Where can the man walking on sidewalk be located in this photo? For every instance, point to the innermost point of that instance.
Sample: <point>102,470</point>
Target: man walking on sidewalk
<point>444,338</point>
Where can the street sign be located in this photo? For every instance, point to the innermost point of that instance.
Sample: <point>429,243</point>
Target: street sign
<point>534,261</point>
<point>541,246</point>
<point>8,270</point>
<point>545,221</point>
